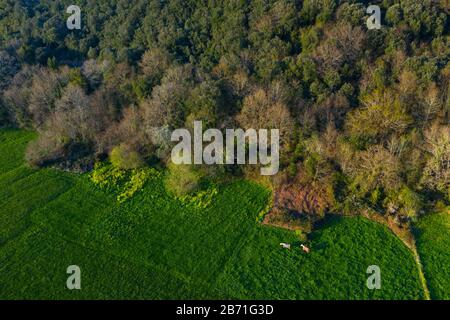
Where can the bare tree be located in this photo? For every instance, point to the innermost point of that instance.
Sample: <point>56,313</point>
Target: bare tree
<point>343,44</point>
<point>436,174</point>
<point>154,62</point>
<point>377,167</point>
<point>46,88</point>
<point>264,110</point>
<point>94,71</point>
<point>16,97</point>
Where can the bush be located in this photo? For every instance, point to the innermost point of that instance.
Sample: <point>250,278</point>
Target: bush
<point>107,176</point>
<point>125,182</point>
<point>47,149</point>
<point>302,236</point>
<point>136,182</point>
<point>201,199</point>
<point>410,201</point>
<point>124,157</point>
<point>182,179</point>
<point>266,210</point>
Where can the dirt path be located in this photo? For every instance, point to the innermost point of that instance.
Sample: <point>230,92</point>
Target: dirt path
<point>423,280</point>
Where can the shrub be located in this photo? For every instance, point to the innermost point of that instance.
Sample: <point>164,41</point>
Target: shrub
<point>265,210</point>
<point>45,150</point>
<point>201,199</point>
<point>107,176</point>
<point>375,196</point>
<point>182,179</point>
<point>125,182</point>
<point>410,201</point>
<point>301,235</point>
<point>136,182</point>
<point>124,157</point>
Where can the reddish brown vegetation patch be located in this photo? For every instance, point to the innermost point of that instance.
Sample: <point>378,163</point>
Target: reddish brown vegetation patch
<point>297,206</point>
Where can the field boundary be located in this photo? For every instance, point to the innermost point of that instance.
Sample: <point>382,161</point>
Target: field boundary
<point>422,277</point>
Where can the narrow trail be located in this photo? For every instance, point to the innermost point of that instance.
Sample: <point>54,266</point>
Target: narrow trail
<point>423,280</point>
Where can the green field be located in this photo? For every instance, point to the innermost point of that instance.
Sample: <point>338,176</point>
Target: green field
<point>154,247</point>
<point>433,238</point>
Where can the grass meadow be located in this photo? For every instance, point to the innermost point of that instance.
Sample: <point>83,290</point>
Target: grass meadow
<point>155,247</point>
<point>433,237</point>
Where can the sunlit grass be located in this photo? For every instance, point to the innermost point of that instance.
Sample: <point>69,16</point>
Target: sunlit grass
<point>433,239</point>
<point>157,247</point>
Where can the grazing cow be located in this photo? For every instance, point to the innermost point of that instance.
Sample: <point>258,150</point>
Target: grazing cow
<point>305,248</point>
<point>285,245</point>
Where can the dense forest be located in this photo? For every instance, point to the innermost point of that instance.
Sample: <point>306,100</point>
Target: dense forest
<point>363,114</point>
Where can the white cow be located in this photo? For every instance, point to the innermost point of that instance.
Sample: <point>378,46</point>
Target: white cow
<point>305,248</point>
<point>285,245</point>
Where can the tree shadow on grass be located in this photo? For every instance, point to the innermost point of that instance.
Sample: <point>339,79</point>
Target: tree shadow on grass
<point>329,221</point>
